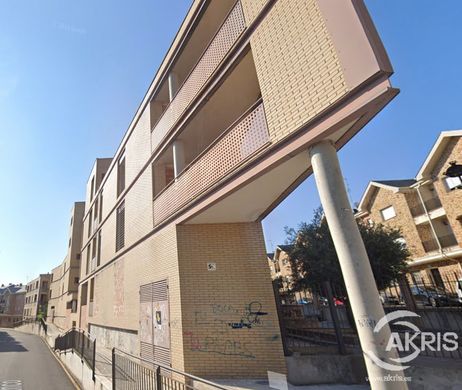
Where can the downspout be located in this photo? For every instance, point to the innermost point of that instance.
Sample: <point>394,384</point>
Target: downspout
<point>429,219</point>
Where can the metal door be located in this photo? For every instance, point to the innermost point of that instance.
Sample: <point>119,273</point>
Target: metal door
<point>155,322</point>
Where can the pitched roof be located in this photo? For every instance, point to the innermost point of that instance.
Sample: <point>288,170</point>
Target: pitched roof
<point>435,152</point>
<point>400,183</point>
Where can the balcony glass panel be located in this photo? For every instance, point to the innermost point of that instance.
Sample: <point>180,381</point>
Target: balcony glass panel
<point>223,156</point>
<point>225,38</point>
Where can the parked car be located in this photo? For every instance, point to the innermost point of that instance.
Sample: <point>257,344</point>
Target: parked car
<point>390,300</point>
<point>435,297</point>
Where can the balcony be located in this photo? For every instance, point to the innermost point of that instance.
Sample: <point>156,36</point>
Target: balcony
<point>230,150</point>
<point>445,241</point>
<point>430,204</point>
<point>216,51</point>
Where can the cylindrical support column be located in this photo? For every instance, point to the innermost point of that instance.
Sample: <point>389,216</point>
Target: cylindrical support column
<point>356,269</point>
<point>172,85</point>
<point>178,157</point>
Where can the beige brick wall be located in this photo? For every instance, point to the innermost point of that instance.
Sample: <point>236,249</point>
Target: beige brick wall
<point>214,300</point>
<point>403,220</point>
<point>451,200</point>
<point>299,76</point>
<point>116,301</point>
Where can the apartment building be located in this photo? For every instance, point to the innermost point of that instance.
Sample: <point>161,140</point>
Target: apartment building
<point>172,237</point>
<point>12,299</point>
<point>37,294</point>
<point>280,266</point>
<point>428,211</point>
<point>64,283</point>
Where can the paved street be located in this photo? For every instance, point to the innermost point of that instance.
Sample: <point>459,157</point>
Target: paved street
<point>27,363</point>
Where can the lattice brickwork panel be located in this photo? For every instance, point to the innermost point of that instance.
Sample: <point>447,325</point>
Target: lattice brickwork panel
<point>221,159</point>
<point>223,41</point>
<point>297,65</point>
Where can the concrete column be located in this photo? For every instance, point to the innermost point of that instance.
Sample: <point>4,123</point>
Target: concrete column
<point>178,157</point>
<point>357,272</point>
<point>172,85</point>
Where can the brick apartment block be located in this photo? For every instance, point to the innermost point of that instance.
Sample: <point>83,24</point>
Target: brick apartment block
<point>64,283</point>
<point>12,299</point>
<point>172,244</point>
<point>428,211</point>
<point>37,295</point>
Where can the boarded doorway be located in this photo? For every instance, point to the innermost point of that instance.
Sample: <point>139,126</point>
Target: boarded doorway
<point>155,323</point>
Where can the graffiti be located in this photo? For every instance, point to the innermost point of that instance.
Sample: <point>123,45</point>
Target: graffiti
<point>218,345</point>
<point>225,325</point>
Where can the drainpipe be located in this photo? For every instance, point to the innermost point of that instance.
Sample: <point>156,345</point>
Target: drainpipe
<point>429,218</point>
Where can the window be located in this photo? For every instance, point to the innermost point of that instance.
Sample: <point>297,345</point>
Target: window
<point>100,206</point>
<point>98,254</point>
<point>76,280</point>
<point>72,219</point>
<point>88,258</point>
<point>121,175</point>
<point>453,182</point>
<point>120,227</point>
<point>90,218</point>
<point>92,188</point>
<point>388,213</point>
<point>70,241</point>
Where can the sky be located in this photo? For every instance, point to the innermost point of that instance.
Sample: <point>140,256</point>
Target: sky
<point>72,75</point>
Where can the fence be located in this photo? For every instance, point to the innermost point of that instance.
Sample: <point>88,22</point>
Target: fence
<point>130,372</point>
<point>79,341</point>
<point>319,320</point>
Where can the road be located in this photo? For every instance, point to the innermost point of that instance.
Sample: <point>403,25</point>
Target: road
<point>27,363</point>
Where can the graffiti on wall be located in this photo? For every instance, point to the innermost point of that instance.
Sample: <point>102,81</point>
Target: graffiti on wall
<point>225,326</point>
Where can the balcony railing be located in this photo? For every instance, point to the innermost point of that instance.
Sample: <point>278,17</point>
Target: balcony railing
<point>224,155</point>
<point>445,241</point>
<point>220,45</point>
<point>430,204</point>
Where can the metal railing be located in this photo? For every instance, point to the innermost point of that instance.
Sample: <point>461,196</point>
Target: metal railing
<point>79,341</point>
<point>131,372</point>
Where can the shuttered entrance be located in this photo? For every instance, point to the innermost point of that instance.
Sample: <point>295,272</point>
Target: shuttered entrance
<point>155,323</point>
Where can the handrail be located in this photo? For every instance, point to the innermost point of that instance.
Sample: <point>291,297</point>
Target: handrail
<point>165,367</point>
<point>83,331</point>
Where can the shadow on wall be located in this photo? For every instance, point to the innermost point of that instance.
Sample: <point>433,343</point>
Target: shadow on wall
<point>10,344</point>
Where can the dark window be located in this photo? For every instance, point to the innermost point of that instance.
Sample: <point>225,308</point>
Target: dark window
<point>100,206</point>
<point>90,217</point>
<point>92,188</point>
<point>121,175</point>
<point>76,280</point>
<point>98,254</point>
<point>120,227</point>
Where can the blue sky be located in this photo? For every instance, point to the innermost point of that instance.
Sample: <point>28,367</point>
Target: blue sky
<point>73,73</point>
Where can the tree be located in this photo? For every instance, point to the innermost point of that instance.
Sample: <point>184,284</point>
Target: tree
<point>314,260</point>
